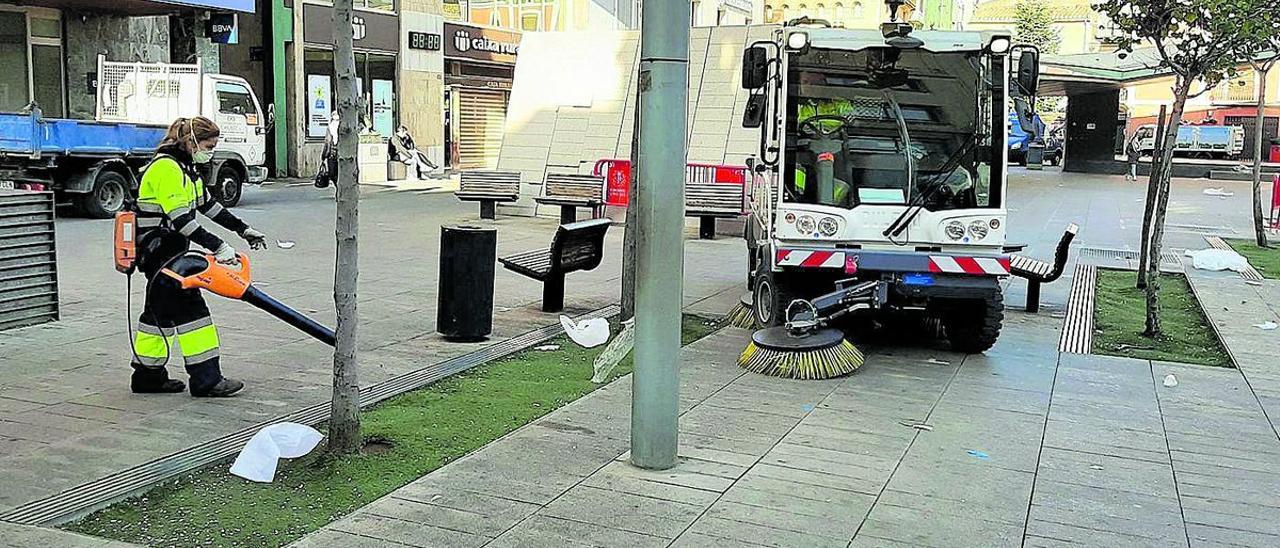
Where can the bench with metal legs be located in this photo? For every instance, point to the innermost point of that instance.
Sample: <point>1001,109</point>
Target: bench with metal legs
<point>571,191</point>
<point>489,188</point>
<point>576,246</point>
<point>1038,272</point>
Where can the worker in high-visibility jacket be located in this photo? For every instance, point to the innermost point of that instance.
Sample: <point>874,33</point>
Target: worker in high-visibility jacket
<point>169,197</point>
<point>838,194</point>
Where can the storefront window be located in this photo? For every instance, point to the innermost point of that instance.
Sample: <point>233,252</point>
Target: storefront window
<point>31,50</point>
<point>375,82</point>
<point>14,88</point>
<point>46,72</point>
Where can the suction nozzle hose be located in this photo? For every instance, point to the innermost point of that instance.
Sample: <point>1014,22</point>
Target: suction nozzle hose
<point>290,316</point>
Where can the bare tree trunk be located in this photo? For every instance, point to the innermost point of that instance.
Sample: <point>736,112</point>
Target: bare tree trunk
<point>1152,198</point>
<point>629,237</point>
<point>1165,169</point>
<point>1260,235</point>
<point>344,416</point>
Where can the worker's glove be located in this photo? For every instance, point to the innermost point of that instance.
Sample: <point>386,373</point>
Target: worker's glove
<point>257,240</point>
<point>225,254</point>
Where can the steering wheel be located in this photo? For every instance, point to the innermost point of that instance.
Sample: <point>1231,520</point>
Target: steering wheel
<point>812,128</point>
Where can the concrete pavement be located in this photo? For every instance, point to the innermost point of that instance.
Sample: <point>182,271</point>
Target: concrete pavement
<point>66,413</point>
<point>920,447</point>
<point>1045,424</point>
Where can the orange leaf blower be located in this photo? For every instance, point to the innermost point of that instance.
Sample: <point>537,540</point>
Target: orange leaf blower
<point>196,271</point>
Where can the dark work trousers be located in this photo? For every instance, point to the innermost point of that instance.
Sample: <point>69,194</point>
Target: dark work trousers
<point>171,314</point>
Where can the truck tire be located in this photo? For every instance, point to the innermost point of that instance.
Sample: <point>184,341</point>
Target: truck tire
<point>110,189</point>
<point>974,326</point>
<point>230,185</point>
<point>772,296</point>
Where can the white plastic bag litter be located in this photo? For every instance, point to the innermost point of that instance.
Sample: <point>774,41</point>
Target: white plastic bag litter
<point>1218,259</point>
<point>1267,325</point>
<point>1218,192</point>
<point>287,440</point>
<point>590,333</point>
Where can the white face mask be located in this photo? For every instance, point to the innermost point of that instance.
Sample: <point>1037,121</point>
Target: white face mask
<point>202,157</point>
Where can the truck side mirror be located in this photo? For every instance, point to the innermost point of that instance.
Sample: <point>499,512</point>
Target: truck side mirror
<point>753,113</point>
<point>755,67</point>
<point>1029,71</point>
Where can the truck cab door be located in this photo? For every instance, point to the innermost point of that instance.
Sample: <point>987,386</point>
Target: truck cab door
<point>241,119</point>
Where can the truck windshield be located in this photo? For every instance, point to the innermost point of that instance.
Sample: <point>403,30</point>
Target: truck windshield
<point>885,126</point>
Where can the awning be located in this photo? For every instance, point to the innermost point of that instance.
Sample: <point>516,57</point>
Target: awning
<point>146,7</point>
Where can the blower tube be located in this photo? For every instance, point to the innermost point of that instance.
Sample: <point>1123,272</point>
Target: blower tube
<point>288,315</point>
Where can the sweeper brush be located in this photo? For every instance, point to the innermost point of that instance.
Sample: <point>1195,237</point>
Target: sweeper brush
<point>805,348</point>
<point>196,271</point>
<point>821,354</point>
<point>742,315</point>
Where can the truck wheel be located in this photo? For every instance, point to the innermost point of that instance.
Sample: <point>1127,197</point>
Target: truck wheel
<point>230,185</point>
<point>107,197</point>
<point>974,326</point>
<point>771,298</point>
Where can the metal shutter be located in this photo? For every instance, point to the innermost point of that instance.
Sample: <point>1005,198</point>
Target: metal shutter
<point>481,115</point>
<point>28,260</point>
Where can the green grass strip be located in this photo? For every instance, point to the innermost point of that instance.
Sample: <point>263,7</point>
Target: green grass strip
<point>427,428</point>
<point>1120,317</point>
<point>1266,260</point>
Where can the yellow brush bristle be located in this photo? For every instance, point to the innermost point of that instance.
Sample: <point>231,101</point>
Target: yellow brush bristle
<point>822,363</point>
<point>741,317</point>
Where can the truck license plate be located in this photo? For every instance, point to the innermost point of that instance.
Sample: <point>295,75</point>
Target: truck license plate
<point>6,185</point>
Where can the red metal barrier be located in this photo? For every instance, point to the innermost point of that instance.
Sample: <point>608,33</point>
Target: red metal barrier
<point>1275,202</point>
<point>617,177</point>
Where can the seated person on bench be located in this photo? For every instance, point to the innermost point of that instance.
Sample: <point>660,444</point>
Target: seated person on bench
<point>402,149</point>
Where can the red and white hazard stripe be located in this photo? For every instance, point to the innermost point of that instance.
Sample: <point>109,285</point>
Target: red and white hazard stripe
<point>810,259</point>
<point>978,266</point>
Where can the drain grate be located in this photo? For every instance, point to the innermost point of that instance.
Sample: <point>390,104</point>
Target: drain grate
<point>1250,273</point>
<point>1127,259</point>
<point>1077,329</point>
<point>83,499</point>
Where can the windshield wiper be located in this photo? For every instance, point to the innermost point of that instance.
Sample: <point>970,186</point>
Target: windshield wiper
<point>916,206</point>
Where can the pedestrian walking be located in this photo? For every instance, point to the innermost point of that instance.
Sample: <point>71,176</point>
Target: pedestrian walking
<point>169,196</point>
<point>328,172</point>
<point>1134,154</point>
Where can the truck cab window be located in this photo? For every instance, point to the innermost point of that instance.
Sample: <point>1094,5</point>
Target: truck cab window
<point>235,99</point>
<point>870,130</point>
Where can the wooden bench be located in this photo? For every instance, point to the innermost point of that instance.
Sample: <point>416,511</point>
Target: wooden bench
<point>576,246</point>
<point>571,191</point>
<point>709,201</point>
<point>1039,272</point>
<point>489,188</point>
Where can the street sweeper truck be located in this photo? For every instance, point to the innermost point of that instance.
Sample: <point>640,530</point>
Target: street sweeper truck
<point>880,183</point>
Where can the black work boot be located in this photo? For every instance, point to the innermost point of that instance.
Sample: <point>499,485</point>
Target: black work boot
<point>207,380</point>
<point>154,380</point>
<point>224,389</point>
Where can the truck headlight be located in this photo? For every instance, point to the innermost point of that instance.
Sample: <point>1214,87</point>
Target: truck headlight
<point>805,224</point>
<point>978,229</point>
<point>828,226</point>
<point>954,230</point>
<point>1015,146</point>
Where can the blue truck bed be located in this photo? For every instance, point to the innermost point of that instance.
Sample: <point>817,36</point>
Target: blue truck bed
<point>29,134</point>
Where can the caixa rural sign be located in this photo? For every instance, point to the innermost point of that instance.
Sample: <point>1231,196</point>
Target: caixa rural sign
<point>481,44</point>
